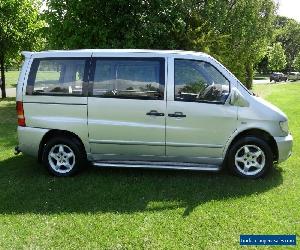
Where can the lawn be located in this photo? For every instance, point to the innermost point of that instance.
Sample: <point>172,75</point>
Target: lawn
<point>148,209</point>
<point>11,78</point>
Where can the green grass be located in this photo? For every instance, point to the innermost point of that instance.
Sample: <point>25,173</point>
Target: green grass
<point>11,78</point>
<point>145,209</point>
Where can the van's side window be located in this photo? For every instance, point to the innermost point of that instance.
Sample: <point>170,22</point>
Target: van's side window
<point>131,78</point>
<point>56,77</point>
<point>198,81</point>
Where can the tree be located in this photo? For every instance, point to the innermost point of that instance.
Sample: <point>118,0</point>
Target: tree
<point>236,32</point>
<point>296,63</point>
<point>19,22</point>
<point>241,32</point>
<point>115,24</point>
<point>262,66</point>
<point>276,57</point>
<point>287,32</point>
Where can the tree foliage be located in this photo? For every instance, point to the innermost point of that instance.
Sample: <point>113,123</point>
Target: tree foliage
<point>19,22</point>
<point>276,57</point>
<point>116,24</point>
<point>243,30</point>
<point>237,32</point>
<point>287,32</point>
<point>296,62</point>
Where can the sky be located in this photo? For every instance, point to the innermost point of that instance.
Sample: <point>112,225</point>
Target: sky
<point>289,8</point>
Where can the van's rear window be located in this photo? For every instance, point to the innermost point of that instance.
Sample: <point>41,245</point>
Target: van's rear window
<point>63,76</point>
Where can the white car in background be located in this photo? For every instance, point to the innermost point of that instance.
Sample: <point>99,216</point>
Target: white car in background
<point>294,76</point>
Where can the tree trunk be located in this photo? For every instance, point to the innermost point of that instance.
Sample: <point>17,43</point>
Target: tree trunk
<point>249,75</point>
<point>2,68</point>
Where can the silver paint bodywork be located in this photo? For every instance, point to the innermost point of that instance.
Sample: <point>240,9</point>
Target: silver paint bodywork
<point>114,129</point>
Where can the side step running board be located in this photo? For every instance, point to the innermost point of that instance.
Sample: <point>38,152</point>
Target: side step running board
<point>157,165</point>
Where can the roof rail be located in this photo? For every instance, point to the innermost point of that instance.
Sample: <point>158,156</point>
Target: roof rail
<point>27,53</point>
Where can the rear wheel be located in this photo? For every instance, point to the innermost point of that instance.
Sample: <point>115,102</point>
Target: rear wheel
<point>63,156</point>
<point>250,157</point>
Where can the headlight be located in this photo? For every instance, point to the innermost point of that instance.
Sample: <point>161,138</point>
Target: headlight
<point>284,126</point>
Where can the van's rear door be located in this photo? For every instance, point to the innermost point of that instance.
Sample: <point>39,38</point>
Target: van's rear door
<point>55,96</point>
<point>126,106</point>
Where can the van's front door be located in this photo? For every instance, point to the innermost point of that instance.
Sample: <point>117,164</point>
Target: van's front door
<point>126,107</point>
<point>199,120</point>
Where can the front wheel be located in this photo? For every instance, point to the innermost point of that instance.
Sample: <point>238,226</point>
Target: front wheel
<point>250,157</point>
<point>63,156</point>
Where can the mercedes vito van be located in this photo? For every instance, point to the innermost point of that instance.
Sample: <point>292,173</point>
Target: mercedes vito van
<point>144,108</point>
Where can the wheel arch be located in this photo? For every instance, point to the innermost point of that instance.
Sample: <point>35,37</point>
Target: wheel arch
<point>54,133</point>
<point>260,133</point>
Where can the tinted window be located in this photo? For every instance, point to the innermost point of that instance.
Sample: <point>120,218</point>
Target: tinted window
<point>56,77</point>
<point>129,78</point>
<point>199,81</point>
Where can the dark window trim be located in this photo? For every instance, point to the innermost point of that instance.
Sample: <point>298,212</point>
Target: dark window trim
<point>34,68</point>
<point>162,80</point>
<point>55,94</point>
<point>208,102</point>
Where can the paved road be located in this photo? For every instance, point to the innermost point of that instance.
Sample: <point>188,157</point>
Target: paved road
<point>264,81</point>
<point>11,92</point>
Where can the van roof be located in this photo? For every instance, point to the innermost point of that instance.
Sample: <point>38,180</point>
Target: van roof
<point>162,52</point>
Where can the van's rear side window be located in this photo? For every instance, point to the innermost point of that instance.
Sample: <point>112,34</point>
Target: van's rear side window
<point>129,78</point>
<point>56,76</point>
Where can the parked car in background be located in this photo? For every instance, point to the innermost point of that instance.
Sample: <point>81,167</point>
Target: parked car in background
<point>278,77</point>
<point>294,76</point>
<point>147,109</point>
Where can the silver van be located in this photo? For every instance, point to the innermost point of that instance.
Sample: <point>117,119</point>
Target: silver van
<point>144,108</point>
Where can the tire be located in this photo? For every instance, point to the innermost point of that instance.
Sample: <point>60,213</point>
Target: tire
<point>63,156</point>
<point>254,164</point>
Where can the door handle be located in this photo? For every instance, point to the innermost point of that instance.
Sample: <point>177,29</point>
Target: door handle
<point>177,114</point>
<point>155,113</point>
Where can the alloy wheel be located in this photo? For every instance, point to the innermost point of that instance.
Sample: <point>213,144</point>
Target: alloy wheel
<point>61,158</point>
<point>250,159</point>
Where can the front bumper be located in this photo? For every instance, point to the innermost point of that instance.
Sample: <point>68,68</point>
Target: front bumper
<point>284,145</point>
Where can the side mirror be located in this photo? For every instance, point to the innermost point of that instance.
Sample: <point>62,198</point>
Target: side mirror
<point>237,99</point>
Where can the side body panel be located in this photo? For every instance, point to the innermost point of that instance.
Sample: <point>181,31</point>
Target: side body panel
<point>30,139</point>
<point>200,136</point>
<point>121,129</point>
